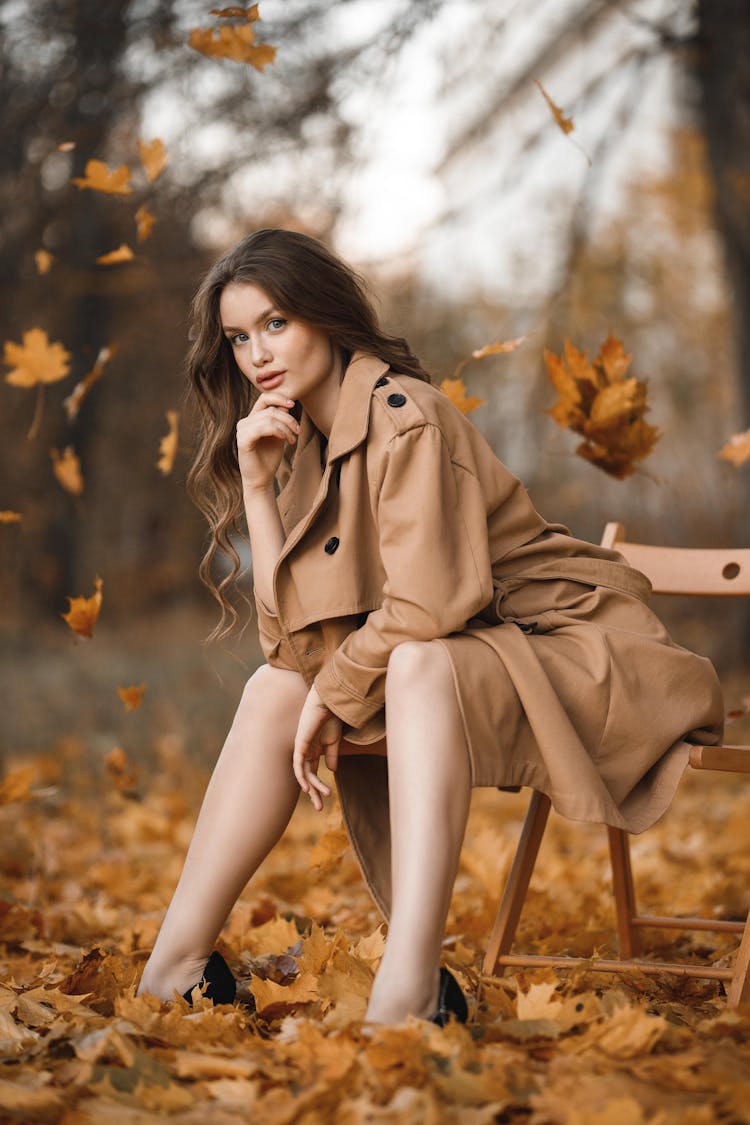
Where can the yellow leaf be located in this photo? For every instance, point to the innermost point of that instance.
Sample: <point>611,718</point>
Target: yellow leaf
<point>73,402</point>
<point>737,449</point>
<point>371,948</point>
<point>8,516</point>
<point>273,1000</point>
<point>123,253</point>
<point>236,43</point>
<point>121,770</point>
<point>153,156</point>
<point>144,221</point>
<point>83,612</point>
<point>168,445</point>
<point>329,849</point>
<point>455,390</point>
<point>563,122</point>
<point>67,469</point>
<point>44,261</point>
<point>613,359</point>
<point>498,348</point>
<point>613,403</point>
<point>98,177</point>
<point>15,785</point>
<point>131,696</point>
<point>36,360</point>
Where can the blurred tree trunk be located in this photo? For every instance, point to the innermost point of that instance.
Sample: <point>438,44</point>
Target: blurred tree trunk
<point>723,70</point>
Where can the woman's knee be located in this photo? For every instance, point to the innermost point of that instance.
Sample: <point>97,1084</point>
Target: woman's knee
<point>414,662</point>
<point>274,691</point>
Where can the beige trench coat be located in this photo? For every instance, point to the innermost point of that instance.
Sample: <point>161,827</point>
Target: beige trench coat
<point>412,529</point>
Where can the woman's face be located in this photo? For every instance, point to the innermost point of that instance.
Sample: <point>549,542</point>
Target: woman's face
<point>273,349</point>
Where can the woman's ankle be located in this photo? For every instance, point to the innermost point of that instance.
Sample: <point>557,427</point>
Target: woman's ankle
<point>164,977</point>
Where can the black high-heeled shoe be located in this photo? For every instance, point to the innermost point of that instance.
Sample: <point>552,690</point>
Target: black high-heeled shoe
<point>451,1001</point>
<point>217,982</point>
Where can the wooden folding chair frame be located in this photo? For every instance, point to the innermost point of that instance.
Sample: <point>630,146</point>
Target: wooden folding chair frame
<point>712,573</point>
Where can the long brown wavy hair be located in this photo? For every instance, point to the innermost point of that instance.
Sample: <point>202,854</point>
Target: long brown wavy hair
<point>303,280</point>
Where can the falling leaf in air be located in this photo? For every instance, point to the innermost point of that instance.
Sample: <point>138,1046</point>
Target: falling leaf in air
<point>736,450</point>
<point>83,612</point>
<point>144,222</point>
<point>98,177</point>
<point>600,403</point>
<point>44,261</point>
<point>8,516</point>
<point>36,360</point>
<point>498,348</point>
<point>123,253</point>
<point>563,122</point>
<point>67,469</point>
<point>455,390</point>
<point>153,156</point>
<point>168,445</point>
<point>235,42</point>
<point>66,146</point>
<point>132,696</point>
<point>73,402</point>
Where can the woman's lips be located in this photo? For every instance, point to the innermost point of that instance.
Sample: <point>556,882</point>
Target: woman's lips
<point>267,382</point>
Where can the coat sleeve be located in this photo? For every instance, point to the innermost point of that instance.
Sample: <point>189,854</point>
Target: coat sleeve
<point>432,521</point>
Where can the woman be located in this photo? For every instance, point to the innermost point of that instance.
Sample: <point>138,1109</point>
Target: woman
<point>407,594</point>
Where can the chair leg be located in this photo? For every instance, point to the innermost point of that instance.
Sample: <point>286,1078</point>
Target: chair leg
<point>517,884</point>
<point>739,989</point>
<point>624,892</point>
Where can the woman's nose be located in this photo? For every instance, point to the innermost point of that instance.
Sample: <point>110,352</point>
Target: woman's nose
<point>259,352</point>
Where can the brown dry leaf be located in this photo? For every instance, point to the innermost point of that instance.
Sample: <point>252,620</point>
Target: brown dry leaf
<point>153,156</point>
<point>598,402</point>
<point>35,361</point>
<point>67,469</point>
<point>120,770</point>
<point>44,261</point>
<point>16,784</point>
<point>275,936</point>
<point>145,222</point>
<point>7,516</point>
<point>168,445</point>
<point>455,390</point>
<point>563,122</point>
<point>73,402</point>
<point>737,449</point>
<point>98,177</point>
<point>123,253</point>
<point>83,612</point>
<point>329,849</point>
<point>273,1000</point>
<point>132,696</point>
<point>500,347</point>
<point>236,43</point>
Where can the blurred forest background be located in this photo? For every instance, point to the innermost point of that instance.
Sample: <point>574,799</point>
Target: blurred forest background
<point>412,137</point>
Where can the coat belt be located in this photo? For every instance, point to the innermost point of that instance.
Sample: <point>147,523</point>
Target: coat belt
<point>592,572</point>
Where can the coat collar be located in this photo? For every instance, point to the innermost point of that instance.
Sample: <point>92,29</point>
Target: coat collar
<point>352,416</point>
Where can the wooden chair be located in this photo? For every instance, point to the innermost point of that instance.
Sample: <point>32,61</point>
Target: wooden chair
<point>672,570</point>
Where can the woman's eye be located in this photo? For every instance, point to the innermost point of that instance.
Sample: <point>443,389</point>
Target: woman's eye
<point>276,323</point>
<point>238,338</point>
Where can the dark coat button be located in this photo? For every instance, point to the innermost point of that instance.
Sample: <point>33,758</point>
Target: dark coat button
<point>381,381</point>
<point>332,545</point>
<point>396,400</point>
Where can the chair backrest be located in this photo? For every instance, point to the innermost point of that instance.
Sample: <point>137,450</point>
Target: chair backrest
<point>713,572</point>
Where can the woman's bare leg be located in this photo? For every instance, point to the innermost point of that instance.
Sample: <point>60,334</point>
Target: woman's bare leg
<point>429,784</point>
<point>247,806</point>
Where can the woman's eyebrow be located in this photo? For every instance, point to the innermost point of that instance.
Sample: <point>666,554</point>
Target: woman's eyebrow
<point>266,313</point>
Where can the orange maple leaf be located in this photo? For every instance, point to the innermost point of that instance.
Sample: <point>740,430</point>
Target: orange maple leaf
<point>455,390</point>
<point>7,516</point>
<point>168,445</point>
<point>563,122</point>
<point>736,450</point>
<point>83,612</point>
<point>73,402</point>
<point>236,43</point>
<point>123,253</point>
<point>144,221</point>
<point>598,402</point>
<point>153,156</point>
<point>98,177</point>
<point>67,469</point>
<point>36,360</point>
<point>132,696</point>
<point>44,261</point>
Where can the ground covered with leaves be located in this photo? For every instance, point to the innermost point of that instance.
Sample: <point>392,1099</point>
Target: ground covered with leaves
<point>90,851</point>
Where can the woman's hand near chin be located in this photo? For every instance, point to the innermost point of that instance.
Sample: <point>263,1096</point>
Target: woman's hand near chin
<point>261,437</point>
